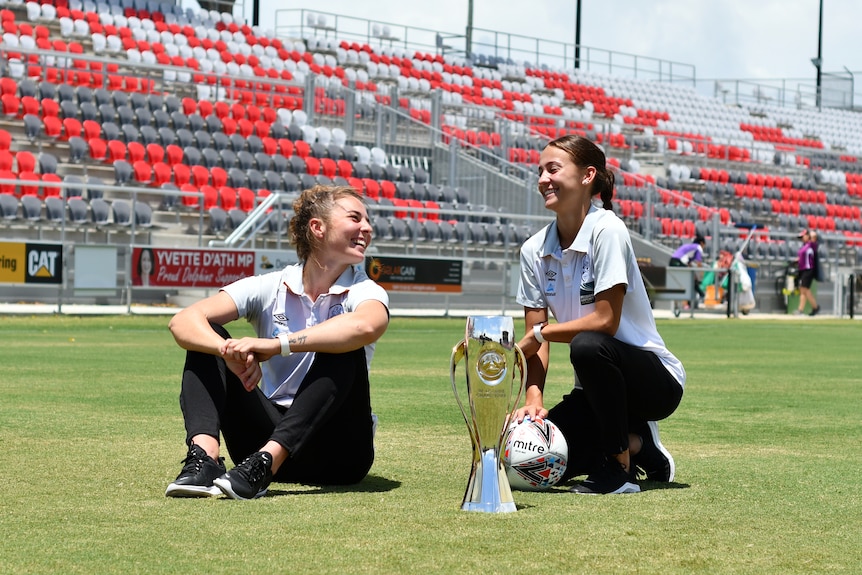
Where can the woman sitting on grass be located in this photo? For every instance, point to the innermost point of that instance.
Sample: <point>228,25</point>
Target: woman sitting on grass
<point>316,323</point>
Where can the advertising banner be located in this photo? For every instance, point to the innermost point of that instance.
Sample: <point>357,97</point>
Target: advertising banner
<point>189,268</point>
<point>396,273</point>
<point>31,263</point>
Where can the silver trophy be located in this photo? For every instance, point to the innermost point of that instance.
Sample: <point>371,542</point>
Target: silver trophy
<point>492,394</point>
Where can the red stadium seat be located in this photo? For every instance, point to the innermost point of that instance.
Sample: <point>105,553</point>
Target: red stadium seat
<point>181,174</point>
<point>25,161</point>
<point>228,126</point>
<point>372,188</point>
<point>143,172</point>
<point>98,149</point>
<point>136,151</point>
<point>155,153</point>
<point>7,188</point>
<point>301,148</point>
<point>161,174</point>
<point>53,127</point>
<point>246,199</point>
<point>285,147</point>
<point>312,165</point>
<point>328,167</point>
<point>345,168</point>
<point>270,145</point>
<point>92,129</point>
<point>116,151</point>
<point>387,189</point>
<point>32,187</point>
<point>357,184</point>
<point>51,191</point>
<point>174,154</point>
<point>200,176</point>
<point>188,200</point>
<point>211,197</point>
<point>218,177</point>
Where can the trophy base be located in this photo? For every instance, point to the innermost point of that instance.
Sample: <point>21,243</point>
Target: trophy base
<point>490,507</point>
<point>494,494</point>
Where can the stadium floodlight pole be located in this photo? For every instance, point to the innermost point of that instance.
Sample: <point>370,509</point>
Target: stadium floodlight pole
<point>469,46</point>
<point>818,62</point>
<point>577,34</point>
<point>255,13</point>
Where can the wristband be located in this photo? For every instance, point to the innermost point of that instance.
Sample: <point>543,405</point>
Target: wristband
<point>285,344</point>
<point>537,332</point>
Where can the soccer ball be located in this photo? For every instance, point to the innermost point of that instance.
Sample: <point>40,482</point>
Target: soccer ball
<point>535,456</point>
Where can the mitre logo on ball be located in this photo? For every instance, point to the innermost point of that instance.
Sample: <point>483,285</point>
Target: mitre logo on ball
<point>536,455</point>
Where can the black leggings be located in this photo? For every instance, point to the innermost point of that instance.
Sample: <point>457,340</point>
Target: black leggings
<point>327,431</point>
<point>623,387</point>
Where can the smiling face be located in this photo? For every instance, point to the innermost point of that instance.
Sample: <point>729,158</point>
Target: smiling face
<point>347,232</point>
<point>561,182</point>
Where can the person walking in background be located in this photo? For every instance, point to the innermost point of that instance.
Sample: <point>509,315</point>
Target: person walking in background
<point>806,261</point>
<point>316,324</point>
<point>690,255</point>
<point>582,267</point>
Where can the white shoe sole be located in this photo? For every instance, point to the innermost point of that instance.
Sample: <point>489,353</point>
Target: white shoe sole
<point>627,487</point>
<point>653,431</point>
<point>225,487</point>
<point>175,490</point>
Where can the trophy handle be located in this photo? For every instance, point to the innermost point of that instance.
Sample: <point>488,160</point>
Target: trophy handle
<point>521,364</point>
<point>458,353</point>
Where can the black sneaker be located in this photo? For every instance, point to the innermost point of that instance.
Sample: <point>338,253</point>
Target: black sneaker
<point>815,311</point>
<point>196,478</point>
<point>653,460</point>
<point>249,479</point>
<point>610,478</point>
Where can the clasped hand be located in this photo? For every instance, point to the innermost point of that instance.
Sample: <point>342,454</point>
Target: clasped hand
<point>243,357</point>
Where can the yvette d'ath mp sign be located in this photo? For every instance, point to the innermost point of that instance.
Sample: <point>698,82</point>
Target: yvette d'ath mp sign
<point>160,267</point>
<point>31,263</point>
<point>415,274</point>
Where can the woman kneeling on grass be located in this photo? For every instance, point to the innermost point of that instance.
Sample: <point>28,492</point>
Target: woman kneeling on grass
<point>317,322</point>
<point>583,268</point>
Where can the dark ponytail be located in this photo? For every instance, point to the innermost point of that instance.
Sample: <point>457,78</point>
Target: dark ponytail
<point>585,153</point>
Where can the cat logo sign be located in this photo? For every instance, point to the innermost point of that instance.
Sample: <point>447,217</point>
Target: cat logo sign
<point>42,264</point>
<point>31,263</point>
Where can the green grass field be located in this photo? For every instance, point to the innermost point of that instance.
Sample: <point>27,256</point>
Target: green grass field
<point>766,443</point>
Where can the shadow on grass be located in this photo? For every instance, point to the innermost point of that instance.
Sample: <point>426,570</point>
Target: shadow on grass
<point>645,485</point>
<point>657,485</point>
<point>371,484</point>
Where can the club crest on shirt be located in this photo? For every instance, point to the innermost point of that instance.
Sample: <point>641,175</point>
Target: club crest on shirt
<point>588,284</point>
<point>550,282</point>
<point>335,310</point>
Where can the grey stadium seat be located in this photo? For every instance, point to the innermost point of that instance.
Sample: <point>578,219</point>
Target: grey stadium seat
<point>31,207</point>
<point>122,212</point>
<point>8,207</point>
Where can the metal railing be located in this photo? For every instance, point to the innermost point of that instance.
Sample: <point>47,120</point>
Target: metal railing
<point>500,47</point>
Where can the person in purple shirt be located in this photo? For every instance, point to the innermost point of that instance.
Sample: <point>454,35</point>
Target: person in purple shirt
<point>807,270</point>
<point>689,255</point>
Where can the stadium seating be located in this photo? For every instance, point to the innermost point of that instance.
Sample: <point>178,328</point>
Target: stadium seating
<point>733,163</point>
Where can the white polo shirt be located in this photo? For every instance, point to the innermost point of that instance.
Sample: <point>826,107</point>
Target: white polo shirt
<point>276,303</point>
<point>566,281</point>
